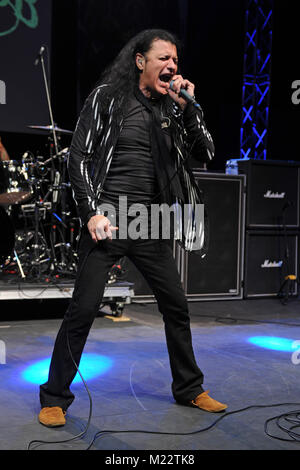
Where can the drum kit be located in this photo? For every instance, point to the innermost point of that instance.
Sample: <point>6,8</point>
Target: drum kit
<point>39,226</point>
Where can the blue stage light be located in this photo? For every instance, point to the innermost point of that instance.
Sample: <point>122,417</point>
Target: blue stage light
<point>91,366</point>
<point>274,342</point>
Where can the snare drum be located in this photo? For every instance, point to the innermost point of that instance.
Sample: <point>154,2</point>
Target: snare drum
<point>14,183</point>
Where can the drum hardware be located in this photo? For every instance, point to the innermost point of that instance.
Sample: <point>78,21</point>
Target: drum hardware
<point>26,246</point>
<point>61,234</point>
<point>47,245</point>
<point>40,168</point>
<point>38,247</point>
<point>7,244</point>
<point>28,157</point>
<point>28,209</point>
<point>44,248</point>
<point>55,187</point>
<point>14,186</point>
<point>7,234</point>
<point>60,154</point>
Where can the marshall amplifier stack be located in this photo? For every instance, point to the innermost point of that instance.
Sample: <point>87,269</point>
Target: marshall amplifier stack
<point>272,226</point>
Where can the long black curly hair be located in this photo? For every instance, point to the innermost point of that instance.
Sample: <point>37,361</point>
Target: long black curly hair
<point>122,75</point>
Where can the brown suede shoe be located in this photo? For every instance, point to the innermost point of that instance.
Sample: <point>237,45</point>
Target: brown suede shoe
<point>206,403</point>
<point>52,416</point>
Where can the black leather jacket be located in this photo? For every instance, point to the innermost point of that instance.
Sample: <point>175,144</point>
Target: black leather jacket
<point>93,144</point>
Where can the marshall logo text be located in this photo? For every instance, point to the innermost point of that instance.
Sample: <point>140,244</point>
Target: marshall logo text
<point>272,195</point>
<point>271,264</point>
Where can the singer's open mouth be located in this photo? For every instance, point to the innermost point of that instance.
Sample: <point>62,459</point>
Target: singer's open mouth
<point>165,77</point>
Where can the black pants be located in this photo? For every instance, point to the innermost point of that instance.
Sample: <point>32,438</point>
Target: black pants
<point>155,261</point>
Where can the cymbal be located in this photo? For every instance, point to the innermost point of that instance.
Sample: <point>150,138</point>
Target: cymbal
<point>50,128</point>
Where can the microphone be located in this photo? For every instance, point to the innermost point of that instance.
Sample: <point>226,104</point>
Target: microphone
<point>184,94</point>
<point>41,52</point>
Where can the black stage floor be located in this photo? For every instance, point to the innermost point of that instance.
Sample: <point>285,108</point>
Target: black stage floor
<point>134,393</point>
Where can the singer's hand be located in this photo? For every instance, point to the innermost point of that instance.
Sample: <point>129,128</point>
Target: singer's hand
<point>100,228</point>
<point>178,83</point>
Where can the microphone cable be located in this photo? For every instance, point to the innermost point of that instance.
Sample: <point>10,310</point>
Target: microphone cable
<point>292,418</point>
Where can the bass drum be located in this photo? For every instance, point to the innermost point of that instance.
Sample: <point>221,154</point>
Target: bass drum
<point>7,236</point>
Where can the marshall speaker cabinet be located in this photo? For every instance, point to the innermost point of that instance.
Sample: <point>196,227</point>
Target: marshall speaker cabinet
<point>219,274</point>
<point>271,256</point>
<point>272,193</point>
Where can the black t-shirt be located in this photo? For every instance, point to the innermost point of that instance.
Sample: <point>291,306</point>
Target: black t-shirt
<point>132,171</point>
